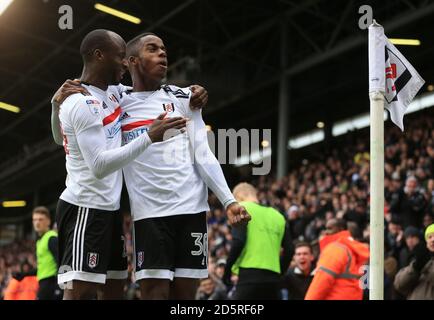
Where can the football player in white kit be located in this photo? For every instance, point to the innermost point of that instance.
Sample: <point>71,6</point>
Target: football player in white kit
<point>91,243</point>
<point>167,184</point>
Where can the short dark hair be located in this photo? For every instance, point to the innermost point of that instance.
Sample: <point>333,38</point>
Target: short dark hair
<point>341,224</point>
<point>97,39</point>
<point>135,44</point>
<point>303,244</point>
<point>42,210</point>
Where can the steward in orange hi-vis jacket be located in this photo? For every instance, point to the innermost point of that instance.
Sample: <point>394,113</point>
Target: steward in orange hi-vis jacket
<point>338,272</point>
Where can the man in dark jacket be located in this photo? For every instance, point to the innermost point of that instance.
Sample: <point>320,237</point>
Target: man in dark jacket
<point>409,204</point>
<point>297,280</point>
<point>416,281</point>
<point>412,238</point>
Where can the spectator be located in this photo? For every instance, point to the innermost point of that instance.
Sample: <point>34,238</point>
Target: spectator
<point>409,203</point>
<point>328,183</point>
<point>412,239</point>
<point>12,256</point>
<point>220,268</point>
<point>23,285</point>
<point>297,280</point>
<point>358,215</point>
<point>416,280</point>
<point>427,220</point>
<point>395,238</point>
<point>211,288</point>
<point>337,276</point>
<point>296,222</point>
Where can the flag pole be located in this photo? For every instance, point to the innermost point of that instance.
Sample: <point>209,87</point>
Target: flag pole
<point>403,83</point>
<point>376,272</point>
<point>376,97</point>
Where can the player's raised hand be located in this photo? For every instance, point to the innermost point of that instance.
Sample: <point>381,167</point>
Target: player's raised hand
<point>161,124</point>
<point>199,97</point>
<point>68,88</point>
<point>237,215</point>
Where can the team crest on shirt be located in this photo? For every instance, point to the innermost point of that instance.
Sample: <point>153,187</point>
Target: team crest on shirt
<point>140,257</point>
<point>92,259</point>
<point>169,107</point>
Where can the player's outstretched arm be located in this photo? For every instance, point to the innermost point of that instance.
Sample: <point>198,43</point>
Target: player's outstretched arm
<point>92,141</point>
<point>211,172</point>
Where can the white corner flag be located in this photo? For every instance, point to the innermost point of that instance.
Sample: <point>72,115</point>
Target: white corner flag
<point>392,74</point>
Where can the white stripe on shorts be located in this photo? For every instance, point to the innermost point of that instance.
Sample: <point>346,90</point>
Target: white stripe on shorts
<point>78,241</point>
<point>86,214</point>
<point>74,239</point>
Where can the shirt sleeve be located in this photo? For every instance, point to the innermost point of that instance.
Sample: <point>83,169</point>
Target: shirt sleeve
<point>55,123</point>
<point>206,163</point>
<point>239,238</point>
<point>92,142</point>
<point>53,247</point>
<point>288,249</point>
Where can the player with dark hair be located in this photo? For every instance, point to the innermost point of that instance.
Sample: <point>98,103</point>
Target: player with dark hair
<point>91,243</point>
<point>167,184</point>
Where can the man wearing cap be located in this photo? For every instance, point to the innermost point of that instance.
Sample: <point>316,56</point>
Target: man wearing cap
<point>416,281</point>
<point>412,237</point>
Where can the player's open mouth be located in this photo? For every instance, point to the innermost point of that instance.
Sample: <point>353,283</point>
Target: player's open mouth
<point>163,64</point>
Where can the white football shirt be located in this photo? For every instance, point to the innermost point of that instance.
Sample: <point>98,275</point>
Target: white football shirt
<point>91,130</point>
<point>164,180</point>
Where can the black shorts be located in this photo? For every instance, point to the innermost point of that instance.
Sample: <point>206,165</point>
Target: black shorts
<point>174,246</point>
<point>91,244</point>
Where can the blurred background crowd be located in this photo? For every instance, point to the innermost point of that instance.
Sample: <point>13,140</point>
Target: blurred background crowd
<point>328,183</point>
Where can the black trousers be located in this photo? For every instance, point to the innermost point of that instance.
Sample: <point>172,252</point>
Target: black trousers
<point>257,291</point>
<point>49,290</point>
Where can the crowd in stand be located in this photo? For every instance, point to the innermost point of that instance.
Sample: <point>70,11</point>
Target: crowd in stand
<point>15,258</point>
<point>328,185</point>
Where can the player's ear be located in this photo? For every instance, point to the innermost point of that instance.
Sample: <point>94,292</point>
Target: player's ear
<point>98,54</point>
<point>132,60</point>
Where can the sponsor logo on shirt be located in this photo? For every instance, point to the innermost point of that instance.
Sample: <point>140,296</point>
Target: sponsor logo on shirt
<point>113,130</point>
<point>128,136</point>
<point>104,106</point>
